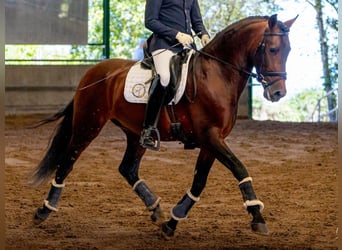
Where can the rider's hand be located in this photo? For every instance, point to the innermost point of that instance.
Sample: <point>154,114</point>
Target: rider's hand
<point>205,40</point>
<point>184,39</point>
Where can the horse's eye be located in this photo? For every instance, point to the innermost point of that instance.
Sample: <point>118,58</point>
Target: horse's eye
<point>274,50</point>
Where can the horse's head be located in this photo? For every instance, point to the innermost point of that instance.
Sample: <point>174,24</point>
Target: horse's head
<point>271,56</point>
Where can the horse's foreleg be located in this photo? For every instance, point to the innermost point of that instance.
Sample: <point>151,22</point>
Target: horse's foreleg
<point>150,200</point>
<point>129,168</point>
<point>253,205</point>
<point>180,211</point>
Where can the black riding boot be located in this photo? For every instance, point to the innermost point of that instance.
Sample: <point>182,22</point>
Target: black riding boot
<point>155,102</point>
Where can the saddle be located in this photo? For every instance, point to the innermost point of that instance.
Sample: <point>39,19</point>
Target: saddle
<point>176,63</point>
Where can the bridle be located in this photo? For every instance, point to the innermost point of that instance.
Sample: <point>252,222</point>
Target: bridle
<point>260,77</point>
<point>261,50</point>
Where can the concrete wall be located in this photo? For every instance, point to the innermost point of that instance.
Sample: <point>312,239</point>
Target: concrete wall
<point>46,89</point>
<point>40,89</point>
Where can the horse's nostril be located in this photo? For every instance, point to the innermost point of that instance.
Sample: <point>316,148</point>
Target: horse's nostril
<point>278,94</point>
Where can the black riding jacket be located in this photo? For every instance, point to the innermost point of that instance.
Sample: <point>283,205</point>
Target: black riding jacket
<point>165,18</point>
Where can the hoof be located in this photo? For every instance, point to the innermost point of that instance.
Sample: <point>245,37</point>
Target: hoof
<point>36,220</point>
<point>259,228</point>
<point>41,215</point>
<point>167,232</point>
<point>158,216</point>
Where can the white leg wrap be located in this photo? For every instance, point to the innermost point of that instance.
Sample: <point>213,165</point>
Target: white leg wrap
<point>249,203</point>
<point>154,205</point>
<point>246,180</point>
<point>192,197</point>
<point>46,203</point>
<point>137,183</point>
<point>179,212</point>
<point>146,195</point>
<point>53,183</point>
<point>177,218</point>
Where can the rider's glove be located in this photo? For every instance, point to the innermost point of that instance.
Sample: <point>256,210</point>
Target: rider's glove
<point>205,40</point>
<point>184,39</point>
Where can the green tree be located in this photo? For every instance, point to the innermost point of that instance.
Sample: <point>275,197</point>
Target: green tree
<point>220,13</point>
<point>327,27</point>
<point>126,27</point>
<point>300,108</point>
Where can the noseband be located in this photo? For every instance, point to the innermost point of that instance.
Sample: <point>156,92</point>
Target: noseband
<point>261,50</point>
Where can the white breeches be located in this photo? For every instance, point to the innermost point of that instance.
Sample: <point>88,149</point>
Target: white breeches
<point>161,58</point>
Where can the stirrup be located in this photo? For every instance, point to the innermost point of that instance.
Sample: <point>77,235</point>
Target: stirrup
<point>147,135</point>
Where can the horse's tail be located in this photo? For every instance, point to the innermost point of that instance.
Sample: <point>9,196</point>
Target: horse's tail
<point>59,143</point>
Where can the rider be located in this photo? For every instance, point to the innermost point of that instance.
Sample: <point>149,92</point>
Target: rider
<point>171,22</point>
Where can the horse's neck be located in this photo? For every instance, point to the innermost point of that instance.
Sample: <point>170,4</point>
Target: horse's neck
<point>238,53</point>
<point>240,48</point>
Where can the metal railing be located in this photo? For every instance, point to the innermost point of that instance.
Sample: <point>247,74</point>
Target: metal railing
<point>319,115</point>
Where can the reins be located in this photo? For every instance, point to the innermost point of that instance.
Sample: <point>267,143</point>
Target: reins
<point>224,62</point>
<point>126,68</point>
<point>110,75</point>
<point>258,76</point>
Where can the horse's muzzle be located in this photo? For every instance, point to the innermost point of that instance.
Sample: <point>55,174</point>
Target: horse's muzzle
<point>276,91</point>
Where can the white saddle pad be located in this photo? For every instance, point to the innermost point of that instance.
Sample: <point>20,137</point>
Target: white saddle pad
<point>138,83</point>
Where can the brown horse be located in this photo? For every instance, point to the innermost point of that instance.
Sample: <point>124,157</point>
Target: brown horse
<point>206,114</point>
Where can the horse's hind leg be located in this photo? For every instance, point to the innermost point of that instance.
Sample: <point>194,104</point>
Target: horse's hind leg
<point>129,168</point>
<point>180,211</point>
<point>51,202</point>
<point>79,140</point>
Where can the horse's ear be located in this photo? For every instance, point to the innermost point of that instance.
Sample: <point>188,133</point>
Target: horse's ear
<point>289,23</point>
<point>272,21</point>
